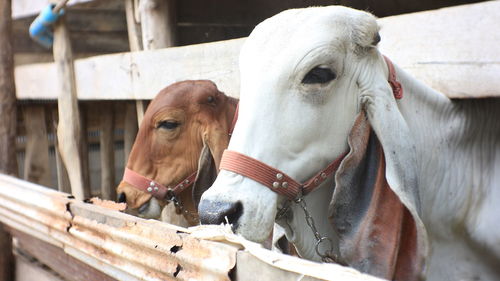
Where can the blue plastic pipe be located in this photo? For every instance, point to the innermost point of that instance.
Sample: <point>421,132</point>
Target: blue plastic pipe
<point>41,28</point>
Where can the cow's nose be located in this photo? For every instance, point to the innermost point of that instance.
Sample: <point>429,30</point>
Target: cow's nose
<point>122,198</point>
<point>216,212</point>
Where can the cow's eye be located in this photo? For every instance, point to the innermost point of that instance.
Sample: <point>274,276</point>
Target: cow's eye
<point>319,75</point>
<point>168,125</point>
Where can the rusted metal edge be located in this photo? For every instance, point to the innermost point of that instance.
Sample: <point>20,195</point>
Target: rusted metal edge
<point>130,248</point>
<point>122,246</point>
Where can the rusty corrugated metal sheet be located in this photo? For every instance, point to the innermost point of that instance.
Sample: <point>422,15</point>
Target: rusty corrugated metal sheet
<point>120,245</point>
<point>129,248</point>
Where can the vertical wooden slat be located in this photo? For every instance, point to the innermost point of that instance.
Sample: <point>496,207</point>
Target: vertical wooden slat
<point>68,132</point>
<point>84,150</point>
<point>63,184</point>
<point>106,139</point>
<point>8,114</point>
<point>158,21</point>
<point>130,129</point>
<point>36,161</point>
<point>135,44</point>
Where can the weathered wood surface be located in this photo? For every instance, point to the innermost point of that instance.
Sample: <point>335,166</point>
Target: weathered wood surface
<point>63,184</point>
<point>69,126</point>
<point>107,152</point>
<point>130,128</point>
<point>8,122</point>
<point>55,258</point>
<point>28,269</point>
<point>440,36</point>
<point>453,50</point>
<point>36,160</point>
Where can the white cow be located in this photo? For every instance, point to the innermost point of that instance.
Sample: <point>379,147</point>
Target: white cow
<point>415,197</point>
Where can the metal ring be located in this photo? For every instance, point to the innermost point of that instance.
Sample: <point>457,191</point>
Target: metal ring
<point>321,240</point>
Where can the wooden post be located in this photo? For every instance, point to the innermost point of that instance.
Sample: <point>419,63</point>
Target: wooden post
<point>158,23</point>
<point>106,139</point>
<point>135,44</point>
<point>63,184</point>
<point>8,119</point>
<point>130,129</point>
<point>69,127</point>
<point>36,161</point>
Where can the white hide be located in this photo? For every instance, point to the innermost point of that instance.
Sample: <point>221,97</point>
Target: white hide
<point>300,128</point>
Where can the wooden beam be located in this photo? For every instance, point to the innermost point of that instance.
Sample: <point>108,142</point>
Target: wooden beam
<point>107,151</point>
<point>8,123</point>
<point>432,46</point>
<point>36,161</point>
<point>63,184</point>
<point>130,129</point>
<point>69,128</point>
<point>158,22</point>
<point>135,43</point>
<point>55,258</point>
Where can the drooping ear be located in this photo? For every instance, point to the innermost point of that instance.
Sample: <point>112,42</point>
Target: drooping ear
<point>374,208</point>
<point>207,172</point>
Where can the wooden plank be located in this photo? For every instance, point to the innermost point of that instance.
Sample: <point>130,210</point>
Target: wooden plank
<point>444,50</point>
<point>8,123</point>
<point>107,152</point>
<point>22,8</point>
<point>8,110</point>
<point>130,129</point>
<point>63,184</point>
<point>69,130</point>
<point>6,256</point>
<point>136,44</point>
<point>430,45</point>
<point>36,161</point>
<point>28,269</point>
<point>158,23</point>
<point>56,259</point>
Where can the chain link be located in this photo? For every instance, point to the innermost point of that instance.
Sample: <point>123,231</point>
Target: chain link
<point>178,205</point>
<point>328,255</point>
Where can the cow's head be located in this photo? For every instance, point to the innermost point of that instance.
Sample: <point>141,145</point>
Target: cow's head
<point>185,129</point>
<point>313,86</point>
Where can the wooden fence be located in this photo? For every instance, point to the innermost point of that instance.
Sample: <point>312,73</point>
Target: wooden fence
<point>78,112</point>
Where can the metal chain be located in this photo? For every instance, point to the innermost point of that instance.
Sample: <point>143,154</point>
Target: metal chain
<point>178,205</point>
<point>328,255</point>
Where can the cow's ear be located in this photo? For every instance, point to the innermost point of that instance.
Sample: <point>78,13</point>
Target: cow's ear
<point>374,209</point>
<point>207,172</point>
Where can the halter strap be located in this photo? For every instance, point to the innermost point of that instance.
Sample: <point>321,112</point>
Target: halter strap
<point>156,189</point>
<point>277,180</point>
<point>397,89</point>
<point>272,178</point>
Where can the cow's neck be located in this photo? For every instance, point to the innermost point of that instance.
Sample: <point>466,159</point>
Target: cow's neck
<point>454,142</point>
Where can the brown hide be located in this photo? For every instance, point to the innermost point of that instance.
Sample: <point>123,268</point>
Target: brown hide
<point>168,155</point>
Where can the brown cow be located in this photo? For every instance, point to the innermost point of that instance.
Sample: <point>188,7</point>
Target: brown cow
<point>180,141</point>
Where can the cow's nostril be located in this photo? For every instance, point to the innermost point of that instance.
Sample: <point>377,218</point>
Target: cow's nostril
<point>217,212</point>
<point>122,198</point>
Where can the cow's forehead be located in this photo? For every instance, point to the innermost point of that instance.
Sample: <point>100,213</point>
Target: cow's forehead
<point>293,33</point>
